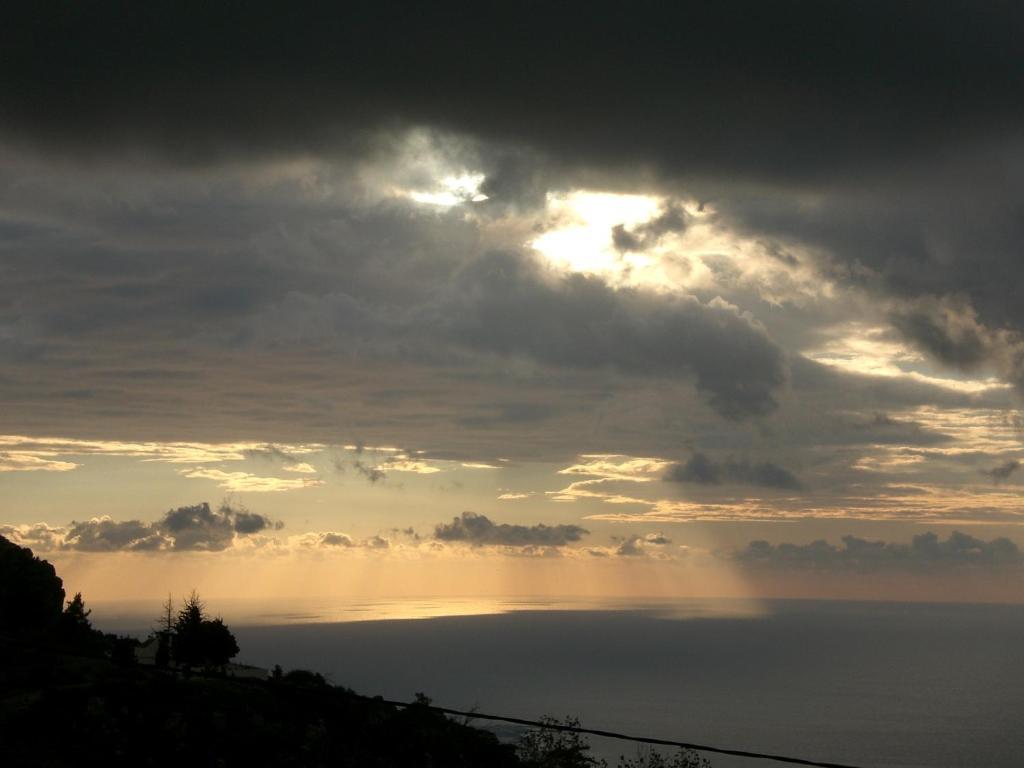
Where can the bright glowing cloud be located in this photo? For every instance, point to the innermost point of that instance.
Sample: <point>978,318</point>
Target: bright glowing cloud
<point>245,481</point>
<point>18,461</point>
<point>452,190</point>
<point>580,240</point>
<point>408,465</point>
<point>170,452</point>
<point>618,467</point>
<point>301,467</point>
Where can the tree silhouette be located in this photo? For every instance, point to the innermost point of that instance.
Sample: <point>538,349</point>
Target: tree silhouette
<point>76,632</point>
<point>165,621</point>
<point>199,641</point>
<point>192,613</point>
<point>217,643</point>
<point>75,626</point>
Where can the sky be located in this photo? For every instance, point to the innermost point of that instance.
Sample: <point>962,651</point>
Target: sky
<point>476,299</point>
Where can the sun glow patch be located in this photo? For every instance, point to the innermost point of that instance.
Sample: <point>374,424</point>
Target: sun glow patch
<point>664,245</point>
<point>585,244</point>
<point>453,190</point>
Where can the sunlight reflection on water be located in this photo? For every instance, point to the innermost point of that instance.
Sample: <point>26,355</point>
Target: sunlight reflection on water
<point>138,616</point>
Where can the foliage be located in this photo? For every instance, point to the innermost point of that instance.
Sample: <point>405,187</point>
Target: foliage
<point>76,632</point>
<point>31,593</point>
<point>121,649</point>
<point>548,747</point>
<point>199,641</point>
<point>301,677</point>
<point>650,758</point>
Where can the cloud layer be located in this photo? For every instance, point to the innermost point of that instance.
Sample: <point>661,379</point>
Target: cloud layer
<point>836,87</point>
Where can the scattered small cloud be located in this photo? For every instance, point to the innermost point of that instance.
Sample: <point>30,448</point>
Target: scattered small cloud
<point>1002,471</point>
<point>371,473</point>
<point>336,540</point>
<point>639,546</point>
<point>332,539</point>
<point>300,467</point>
<point>475,529</point>
<point>408,465</point>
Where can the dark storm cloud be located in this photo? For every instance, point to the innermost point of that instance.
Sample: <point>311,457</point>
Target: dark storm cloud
<point>949,332</point>
<point>938,250</point>
<point>189,528</point>
<point>702,470</point>
<point>925,552</point>
<point>211,301</point>
<point>504,303</point>
<point>160,278</point>
<point>797,88</point>
<point>477,529</point>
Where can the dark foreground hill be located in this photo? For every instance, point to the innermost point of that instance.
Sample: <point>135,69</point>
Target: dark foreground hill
<point>72,711</point>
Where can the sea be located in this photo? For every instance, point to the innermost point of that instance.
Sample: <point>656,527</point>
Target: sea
<point>877,684</point>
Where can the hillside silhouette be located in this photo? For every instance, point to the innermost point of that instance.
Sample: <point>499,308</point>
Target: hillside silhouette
<point>71,695</point>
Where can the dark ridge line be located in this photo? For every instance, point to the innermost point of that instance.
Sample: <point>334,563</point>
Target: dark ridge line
<point>614,735</point>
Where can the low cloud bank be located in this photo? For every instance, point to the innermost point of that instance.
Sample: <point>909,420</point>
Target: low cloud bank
<point>925,552</point>
<point>477,529</point>
<point>189,528</point>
